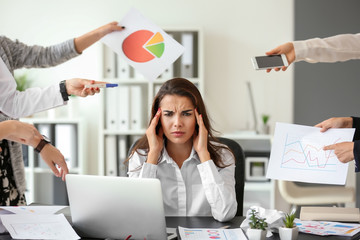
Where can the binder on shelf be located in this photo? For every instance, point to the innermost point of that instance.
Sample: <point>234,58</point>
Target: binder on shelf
<point>122,153</point>
<point>122,107</point>
<point>109,63</point>
<point>169,72</point>
<point>66,142</point>
<point>138,75</point>
<point>123,69</point>
<point>136,109</point>
<point>111,102</point>
<point>157,88</point>
<point>47,130</point>
<point>110,156</point>
<point>187,66</point>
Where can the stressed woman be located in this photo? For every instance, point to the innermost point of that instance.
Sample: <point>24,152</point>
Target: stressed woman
<point>195,170</point>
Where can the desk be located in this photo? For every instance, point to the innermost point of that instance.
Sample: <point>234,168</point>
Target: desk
<point>209,222</point>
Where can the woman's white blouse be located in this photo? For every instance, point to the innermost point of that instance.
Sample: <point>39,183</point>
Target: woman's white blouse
<point>332,49</point>
<point>197,189</point>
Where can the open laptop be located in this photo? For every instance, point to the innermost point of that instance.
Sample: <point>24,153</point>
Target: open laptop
<point>116,207</point>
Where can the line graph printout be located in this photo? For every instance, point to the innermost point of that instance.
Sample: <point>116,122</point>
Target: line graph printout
<point>297,154</point>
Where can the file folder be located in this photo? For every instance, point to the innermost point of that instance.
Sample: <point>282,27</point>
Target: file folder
<point>110,156</point>
<point>122,153</point>
<point>111,111</point>
<point>136,101</point>
<point>122,107</point>
<point>66,142</point>
<point>109,63</point>
<point>47,130</point>
<point>123,69</point>
<point>187,64</point>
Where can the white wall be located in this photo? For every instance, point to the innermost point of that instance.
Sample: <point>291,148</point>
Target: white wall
<point>234,31</point>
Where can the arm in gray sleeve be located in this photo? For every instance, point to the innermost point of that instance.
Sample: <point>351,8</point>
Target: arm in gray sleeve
<point>37,56</point>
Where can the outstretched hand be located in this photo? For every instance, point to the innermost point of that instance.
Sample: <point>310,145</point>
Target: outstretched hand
<point>344,151</point>
<point>288,50</point>
<point>336,122</point>
<point>76,86</point>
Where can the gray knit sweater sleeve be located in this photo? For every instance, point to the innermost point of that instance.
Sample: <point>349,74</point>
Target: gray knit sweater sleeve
<point>20,55</point>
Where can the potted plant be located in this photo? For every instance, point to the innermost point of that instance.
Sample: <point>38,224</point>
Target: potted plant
<point>266,128</point>
<point>257,226</point>
<point>289,231</point>
<point>22,82</point>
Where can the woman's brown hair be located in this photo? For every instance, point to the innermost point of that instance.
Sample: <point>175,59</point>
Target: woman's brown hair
<point>185,88</point>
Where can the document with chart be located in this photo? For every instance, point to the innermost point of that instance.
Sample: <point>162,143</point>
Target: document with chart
<point>297,154</point>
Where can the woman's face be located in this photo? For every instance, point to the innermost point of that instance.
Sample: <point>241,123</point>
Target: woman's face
<point>177,118</point>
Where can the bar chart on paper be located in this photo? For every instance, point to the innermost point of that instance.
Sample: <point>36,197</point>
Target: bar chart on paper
<point>211,234</point>
<point>297,154</point>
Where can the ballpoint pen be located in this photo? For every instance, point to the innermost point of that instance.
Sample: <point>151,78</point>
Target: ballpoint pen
<point>102,85</point>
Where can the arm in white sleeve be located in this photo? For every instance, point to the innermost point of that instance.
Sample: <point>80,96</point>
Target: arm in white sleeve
<point>332,49</point>
<point>219,186</point>
<point>138,168</point>
<point>17,104</point>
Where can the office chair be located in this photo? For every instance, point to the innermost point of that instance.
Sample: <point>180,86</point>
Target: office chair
<point>298,195</point>
<point>239,170</point>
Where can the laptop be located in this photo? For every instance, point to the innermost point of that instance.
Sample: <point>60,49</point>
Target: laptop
<point>116,207</point>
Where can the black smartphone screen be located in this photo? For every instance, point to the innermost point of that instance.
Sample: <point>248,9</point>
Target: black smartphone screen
<point>269,61</point>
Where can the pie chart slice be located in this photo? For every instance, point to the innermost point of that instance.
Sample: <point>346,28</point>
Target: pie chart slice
<point>157,49</point>
<point>133,46</point>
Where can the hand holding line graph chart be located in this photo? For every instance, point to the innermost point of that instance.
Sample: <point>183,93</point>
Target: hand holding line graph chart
<point>297,154</point>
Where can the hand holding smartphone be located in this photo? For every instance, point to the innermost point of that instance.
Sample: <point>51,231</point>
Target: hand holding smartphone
<point>271,61</point>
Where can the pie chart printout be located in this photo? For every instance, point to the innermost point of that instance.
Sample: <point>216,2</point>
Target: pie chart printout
<point>143,46</point>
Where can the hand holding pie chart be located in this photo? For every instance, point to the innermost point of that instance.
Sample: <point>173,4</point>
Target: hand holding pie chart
<point>143,46</point>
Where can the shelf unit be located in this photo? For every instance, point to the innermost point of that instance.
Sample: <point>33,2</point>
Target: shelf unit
<point>125,110</point>
<point>41,184</point>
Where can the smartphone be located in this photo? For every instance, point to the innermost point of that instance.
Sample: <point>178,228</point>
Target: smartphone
<point>271,61</point>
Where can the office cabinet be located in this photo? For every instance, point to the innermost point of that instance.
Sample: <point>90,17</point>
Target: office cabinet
<point>42,186</point>
<point>125,110</point>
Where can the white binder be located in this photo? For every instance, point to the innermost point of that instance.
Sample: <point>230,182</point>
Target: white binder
<point>138,75</point>
<point>136,102</point>
<point>169,72</point>
<point>111,111</point>
<point>65,141</point>
<point>44,129</point>
<point>110,156</point>
<point>122,153</point>
<point>109,63</point>
<point>187,66</point>
<point>122,107</point>
<point>123,69</point>
<point>156,89</point>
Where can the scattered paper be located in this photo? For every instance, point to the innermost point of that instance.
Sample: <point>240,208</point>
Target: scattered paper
<point>203,234</point>
<point>143,45</point>
<point>327,228</point>
<point>33,209</point>
<point>37,226</point>
<point>297,154</point>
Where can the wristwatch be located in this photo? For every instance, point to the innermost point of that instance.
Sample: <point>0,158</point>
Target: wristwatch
<point>45,140</point>
<point>63,90</point>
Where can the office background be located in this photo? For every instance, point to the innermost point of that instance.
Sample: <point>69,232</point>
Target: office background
<point>233,31</point>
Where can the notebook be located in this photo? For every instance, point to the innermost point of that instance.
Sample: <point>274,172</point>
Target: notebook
<point>116,207</point>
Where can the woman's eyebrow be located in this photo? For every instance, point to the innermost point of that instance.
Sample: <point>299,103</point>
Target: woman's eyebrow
<point>186,111</point>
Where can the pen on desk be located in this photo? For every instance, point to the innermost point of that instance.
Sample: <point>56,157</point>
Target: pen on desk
<point>102,85</point>
<point>224,227</point>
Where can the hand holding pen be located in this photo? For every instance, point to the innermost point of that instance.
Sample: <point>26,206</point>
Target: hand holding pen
<point>83,87</point>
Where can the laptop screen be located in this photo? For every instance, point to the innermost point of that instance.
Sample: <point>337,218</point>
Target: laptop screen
<point>116,207</point>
